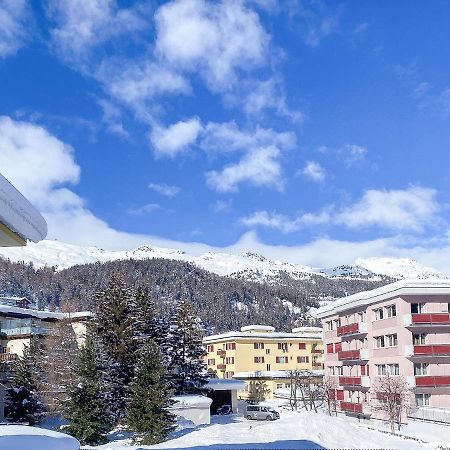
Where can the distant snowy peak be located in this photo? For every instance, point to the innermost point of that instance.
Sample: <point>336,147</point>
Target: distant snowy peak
<point>248,266</point>
<point>399,268</point>
<point>355,271</point>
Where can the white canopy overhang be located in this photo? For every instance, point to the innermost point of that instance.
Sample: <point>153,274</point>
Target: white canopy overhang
<point>19,220</point>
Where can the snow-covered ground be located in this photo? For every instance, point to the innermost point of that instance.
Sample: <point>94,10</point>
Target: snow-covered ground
<point>303,430</point>
<point>248,265</point>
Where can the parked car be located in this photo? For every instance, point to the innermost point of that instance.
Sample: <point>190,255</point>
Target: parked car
<point>224,410</point>
<point>259,412</point>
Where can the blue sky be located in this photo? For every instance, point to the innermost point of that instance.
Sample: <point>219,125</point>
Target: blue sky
<point>311,131</point>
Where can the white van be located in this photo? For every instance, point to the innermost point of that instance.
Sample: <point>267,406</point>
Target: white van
<point>258,412</point>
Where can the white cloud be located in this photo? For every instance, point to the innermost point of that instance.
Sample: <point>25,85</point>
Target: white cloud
<point>259,167</point>
<point>314,171</point>
<point>222,206</point>
<point>144,209</point>
<point>164,189</point>
<point>81,25</point>
<point>13,28</point>
<point>112,116</point>
<point>408,210</point>
<point>176,138</point>
<point>227,137</point>
<point>38,164</point>
<point>353,153</point>
<point>216,40</point>
<point>283,223</point>
<point>137,84</point>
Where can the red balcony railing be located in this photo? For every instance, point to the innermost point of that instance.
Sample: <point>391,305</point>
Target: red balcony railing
<point>221,366</point>
<point>353,355</point>
<point>352,407</point>
<point>351,381</point>
<point>431,381</point>
<point>221,353</point>
<point>353,328</point>
<point>317,364</point>
<point>316,350</point>
<point>430,319</point>
<point>432,350</point>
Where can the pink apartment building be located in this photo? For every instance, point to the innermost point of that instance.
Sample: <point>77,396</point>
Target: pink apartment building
<point>399,329</point>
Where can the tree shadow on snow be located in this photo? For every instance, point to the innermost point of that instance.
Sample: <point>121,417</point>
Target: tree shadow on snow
<point>275,445</point>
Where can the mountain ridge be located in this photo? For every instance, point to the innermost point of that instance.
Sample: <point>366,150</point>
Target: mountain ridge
<point>249,266</point>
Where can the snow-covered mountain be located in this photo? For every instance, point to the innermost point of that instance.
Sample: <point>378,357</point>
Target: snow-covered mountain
<point>250,266</point>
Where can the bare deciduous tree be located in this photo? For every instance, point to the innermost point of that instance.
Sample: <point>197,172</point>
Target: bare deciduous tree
<point>305,390</point>
<point>392,398</point>
<point>330,386</point>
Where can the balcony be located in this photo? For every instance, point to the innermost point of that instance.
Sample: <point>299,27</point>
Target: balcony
<point>434,321</point>
<point>433,350</point>
<point>25,331</point>
<point>221,353</point>
<point>221,367</point>
<point>355,408</point>
<point>317,350</point>
<point>433,381</point>
<point>353,355</point>
<point>352,329</point>
<point>7,357</point>
<point>317,365</point>
<point>355,381</point>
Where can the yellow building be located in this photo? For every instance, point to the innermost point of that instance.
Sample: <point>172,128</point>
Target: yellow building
<point>262,357</point>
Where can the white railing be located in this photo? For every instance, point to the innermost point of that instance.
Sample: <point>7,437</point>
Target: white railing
<point>430,414</point>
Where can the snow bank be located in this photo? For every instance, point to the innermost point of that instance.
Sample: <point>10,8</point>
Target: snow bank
<point>190,401</point>
<point>21,437</point>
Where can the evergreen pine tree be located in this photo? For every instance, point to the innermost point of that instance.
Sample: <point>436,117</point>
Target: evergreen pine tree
<point>85,407</point>
<point>187,369</point>
<point>149,398</point>
<point>145,320</point>
<point>23,398</point>
<point>114,330</point>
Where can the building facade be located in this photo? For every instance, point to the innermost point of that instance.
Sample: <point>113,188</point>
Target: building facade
<point>259,353</point>
<point>18,325</point>
<point>402,329</point>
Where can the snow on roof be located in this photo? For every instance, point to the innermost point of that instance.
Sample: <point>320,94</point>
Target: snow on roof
<point>21,437</point>
<point>19,215</point>
<point>311,330</point>
<point>263,335</point>
<point>15,311</point>
<point>257,328</point>
<point>225,384</point>
<point>190,401</point>
<point>274,374</point>
<point>402,287</point>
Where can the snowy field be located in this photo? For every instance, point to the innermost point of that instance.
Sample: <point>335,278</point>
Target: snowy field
<point>302,430</point>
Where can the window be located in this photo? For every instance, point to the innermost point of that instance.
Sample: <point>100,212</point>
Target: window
<point>282,359</point>
<point>331,370</point>
<point>268,367</point>
<point>360,317</point>
<point>337,322</point>
<point>230,346</point>
<point>393,369</point>
<point>211,362</point>
<point>282,346</point>
<point>259,359</point>
<point>302,346</point>
<point>420,369</point>
<point>258,345</point>
<point>229,374</point>
<point>303,359</point>
<point>340,370</point>
<point>392,340</point>
<point>279,385</point>
<point>378,313</point>
<point>229,360</point>
<point>391,311</point>
<point>380,369</point>
<point>419,339</point>
<point>329,325</point>
<point>422,399</point>
<point>210,348</point>
<point>380,342</point>
<point>267,351</point>
<point>417,308</point>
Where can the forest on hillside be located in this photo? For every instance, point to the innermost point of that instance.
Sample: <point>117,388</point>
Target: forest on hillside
<point>223,303</point>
